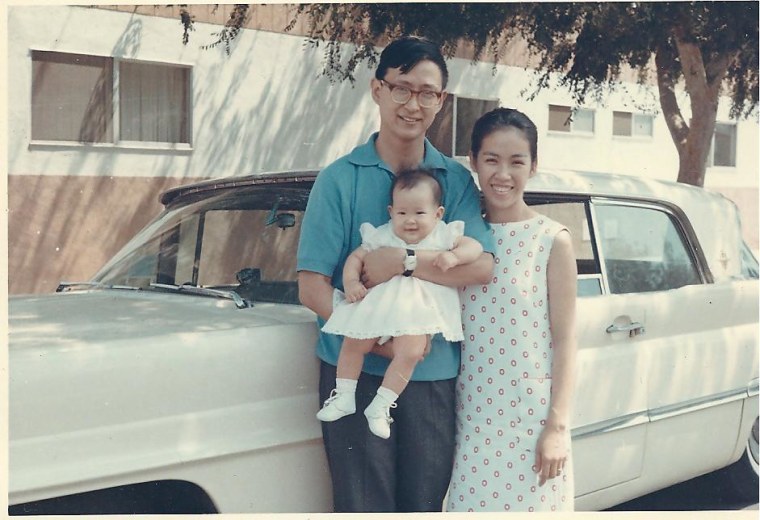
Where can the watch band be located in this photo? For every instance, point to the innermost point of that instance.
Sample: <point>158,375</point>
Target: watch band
<point>407,269</point>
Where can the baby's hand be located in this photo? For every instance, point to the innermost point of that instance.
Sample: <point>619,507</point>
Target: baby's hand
<point>355,291</point>
<point>445,261</point>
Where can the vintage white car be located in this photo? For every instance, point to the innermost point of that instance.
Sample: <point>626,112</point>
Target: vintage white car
<point>182,378</point>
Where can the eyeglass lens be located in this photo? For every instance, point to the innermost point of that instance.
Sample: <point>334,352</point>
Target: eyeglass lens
<point>402,95</point>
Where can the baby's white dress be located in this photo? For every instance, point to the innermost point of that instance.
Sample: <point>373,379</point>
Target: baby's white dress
<point>402,305</point>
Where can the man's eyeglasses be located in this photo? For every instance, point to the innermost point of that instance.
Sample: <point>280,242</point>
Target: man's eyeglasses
<point>401,95</point>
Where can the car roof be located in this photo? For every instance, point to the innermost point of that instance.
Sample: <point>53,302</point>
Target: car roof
<point>713,217</point>
<point>224,183</point>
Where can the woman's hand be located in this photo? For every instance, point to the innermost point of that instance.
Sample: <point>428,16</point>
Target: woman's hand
<point>446,260</point>
<point>551,453</point>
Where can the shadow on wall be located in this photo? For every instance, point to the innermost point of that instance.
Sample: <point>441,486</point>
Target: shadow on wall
<point>292,122</point>
<point>66,228</point>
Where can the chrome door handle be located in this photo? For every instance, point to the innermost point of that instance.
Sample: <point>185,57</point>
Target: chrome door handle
<point>633,329</point>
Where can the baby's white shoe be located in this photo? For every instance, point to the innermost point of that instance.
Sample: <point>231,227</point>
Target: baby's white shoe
<point>338,405</point>
<point>379,418</point>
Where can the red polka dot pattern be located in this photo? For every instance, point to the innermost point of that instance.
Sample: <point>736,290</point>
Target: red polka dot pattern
<point>504,384</point>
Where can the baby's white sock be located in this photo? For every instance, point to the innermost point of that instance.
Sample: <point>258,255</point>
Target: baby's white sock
<point>345,385</point>
<point>387,394</point>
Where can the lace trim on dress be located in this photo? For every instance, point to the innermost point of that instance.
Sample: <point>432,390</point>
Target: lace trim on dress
<point>416,332</point>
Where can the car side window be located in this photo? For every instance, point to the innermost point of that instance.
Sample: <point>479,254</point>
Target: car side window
<point>643,250</point>
<point>243,240</point>
<point>238,239</point>
<point>574,215</point>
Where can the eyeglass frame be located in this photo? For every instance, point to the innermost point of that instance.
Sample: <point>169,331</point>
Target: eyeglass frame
<point>412,93</point>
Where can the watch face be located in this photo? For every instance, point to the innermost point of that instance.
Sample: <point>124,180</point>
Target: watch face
<point>410,263</point>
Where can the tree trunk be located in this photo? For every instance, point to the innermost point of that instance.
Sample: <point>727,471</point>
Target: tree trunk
<point>692,139</point>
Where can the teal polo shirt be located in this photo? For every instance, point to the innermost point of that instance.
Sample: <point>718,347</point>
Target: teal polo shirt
<point>356,189</point>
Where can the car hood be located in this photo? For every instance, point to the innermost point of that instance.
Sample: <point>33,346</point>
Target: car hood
<point>96,316</point>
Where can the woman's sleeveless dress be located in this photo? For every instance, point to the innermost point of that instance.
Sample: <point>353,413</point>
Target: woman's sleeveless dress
<point>402,305</point>
<point>504,384</point>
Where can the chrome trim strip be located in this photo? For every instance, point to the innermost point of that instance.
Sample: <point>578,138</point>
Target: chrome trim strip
<point>610,425</point>
<point>665,412</point>
<point>694,405</point>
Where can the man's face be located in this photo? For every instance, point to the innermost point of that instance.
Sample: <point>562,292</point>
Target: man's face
<point>408,121</point>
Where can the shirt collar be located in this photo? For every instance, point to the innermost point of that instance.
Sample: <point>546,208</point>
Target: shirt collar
<point>366,155</point>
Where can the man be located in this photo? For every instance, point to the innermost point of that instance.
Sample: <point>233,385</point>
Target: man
<point>410,471</point>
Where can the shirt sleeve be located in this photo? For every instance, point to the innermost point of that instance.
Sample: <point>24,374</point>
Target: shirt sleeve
<point>454,230</point>
<point>322,244</point>
<point>466,207</point>
<point>370,236</point>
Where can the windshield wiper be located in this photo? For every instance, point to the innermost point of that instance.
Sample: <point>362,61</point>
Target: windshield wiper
<point>240,303</point>
<point>99,285</point>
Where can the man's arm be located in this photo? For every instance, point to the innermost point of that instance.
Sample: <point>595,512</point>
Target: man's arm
<point>315,291</point>
<point>383,264</point>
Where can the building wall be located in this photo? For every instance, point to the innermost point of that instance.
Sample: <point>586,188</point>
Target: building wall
<point>263,108</point>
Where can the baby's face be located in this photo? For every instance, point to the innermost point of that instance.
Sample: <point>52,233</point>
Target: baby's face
<point>414,213</point>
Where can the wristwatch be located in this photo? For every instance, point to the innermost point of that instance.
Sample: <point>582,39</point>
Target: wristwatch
<point>410,262</point>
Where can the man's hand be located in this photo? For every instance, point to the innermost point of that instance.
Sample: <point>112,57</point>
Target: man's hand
<point>446,260</point>
<point>381,265</point>
<point>355,291</point>
<point>385,350</point>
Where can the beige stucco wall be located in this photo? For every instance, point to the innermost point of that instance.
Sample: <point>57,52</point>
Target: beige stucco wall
<point>263,108</point>
<point>64,228</point>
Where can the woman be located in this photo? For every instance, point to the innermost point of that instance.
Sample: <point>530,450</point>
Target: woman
<point>516,381</point>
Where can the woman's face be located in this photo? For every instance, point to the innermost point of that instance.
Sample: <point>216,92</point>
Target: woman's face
<point>414,213</point>
<point>504,165</point>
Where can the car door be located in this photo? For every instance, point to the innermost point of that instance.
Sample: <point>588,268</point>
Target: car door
<point>610,413</point>
<point>698,339</point>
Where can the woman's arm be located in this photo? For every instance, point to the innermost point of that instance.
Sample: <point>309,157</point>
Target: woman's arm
<point>551,449</point>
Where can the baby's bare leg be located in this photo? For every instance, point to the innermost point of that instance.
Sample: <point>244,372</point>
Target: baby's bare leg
<point>407,352</point>
<point>351,358</point>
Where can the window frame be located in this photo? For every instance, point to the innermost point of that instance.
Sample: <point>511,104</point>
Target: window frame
<point>539,198</point>
<point>677,218</point>
<point>735,138</point>
<point>116,141</point>
<point>632,125</point>
<point>571,130</point>
<point>455,118</point>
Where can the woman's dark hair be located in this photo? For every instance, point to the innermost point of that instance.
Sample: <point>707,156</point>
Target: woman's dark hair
<point>408,179</point>
<point>500,118</point>
<point>408,51</point>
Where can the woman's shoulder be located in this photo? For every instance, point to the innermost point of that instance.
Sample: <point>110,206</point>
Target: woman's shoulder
<point>549,225</point>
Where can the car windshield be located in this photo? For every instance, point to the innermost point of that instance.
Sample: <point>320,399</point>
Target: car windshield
<point>242,240</point>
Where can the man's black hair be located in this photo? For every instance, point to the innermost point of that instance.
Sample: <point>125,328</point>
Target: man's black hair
<point>406,52</point>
